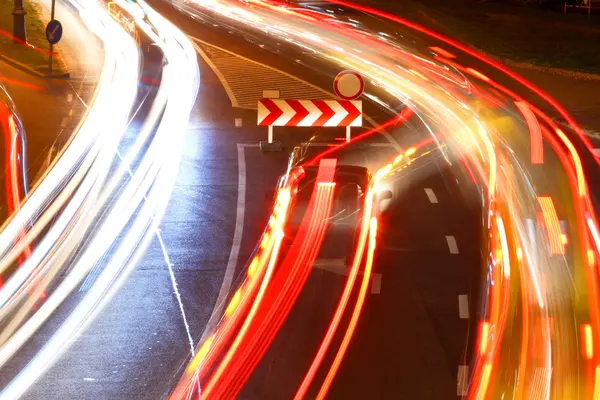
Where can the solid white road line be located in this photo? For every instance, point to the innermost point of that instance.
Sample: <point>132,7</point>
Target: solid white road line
<point>235,247</point>
<point>452,244</point>
<point>463,306</point>
<point>461,380</point>
<point>430,195</point>
<point>176,291</point>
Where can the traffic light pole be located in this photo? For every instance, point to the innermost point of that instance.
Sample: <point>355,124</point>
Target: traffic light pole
<point>18,12</point>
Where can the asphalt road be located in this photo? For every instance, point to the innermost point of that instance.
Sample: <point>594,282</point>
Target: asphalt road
<point>411,332</point>
<point>414,336</point>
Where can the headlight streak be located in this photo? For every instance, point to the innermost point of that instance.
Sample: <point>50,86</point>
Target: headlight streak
<point>71,160</point>
<point>148,189</point>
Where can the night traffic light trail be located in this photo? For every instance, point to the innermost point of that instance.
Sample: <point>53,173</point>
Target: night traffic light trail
<point>536,322</point>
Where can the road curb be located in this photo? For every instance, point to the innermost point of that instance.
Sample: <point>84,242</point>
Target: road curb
<point>33,71</point>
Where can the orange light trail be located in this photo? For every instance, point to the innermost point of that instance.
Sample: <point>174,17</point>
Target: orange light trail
<point>257,333</point>
<point>491,62</point>
<point>20,83</point>
<point>403,116</point>
<point>552,225</point>
<point>478,74</point>
<point>204,360</point>
<point>355,314</point>
<point>286,296</point>
<point>535,133</point>
<point>39,50</point>
<point>442,52</point>
<point>301,393</point>
<point>484,337</point>
<point>588,341</point>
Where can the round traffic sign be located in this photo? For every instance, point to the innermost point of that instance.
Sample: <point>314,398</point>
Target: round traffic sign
<point>54,31</point>
<point>348,85</point>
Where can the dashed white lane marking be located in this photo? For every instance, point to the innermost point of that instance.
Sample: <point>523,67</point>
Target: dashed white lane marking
<point>235,246</point>
<point>335,265</point>
<point>71,112</point>
<point>238,122</point>
<point>376,283</point>
<point>70,97</point>
<point>452,244</point>
<point>463,306</point>
<point>461,380</point>
<point>338,266</point>
<point>430,195</point>
<point>244,81</point>
<point>63,122</point>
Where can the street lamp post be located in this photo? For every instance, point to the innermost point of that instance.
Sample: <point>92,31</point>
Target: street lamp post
<point>18,13</point>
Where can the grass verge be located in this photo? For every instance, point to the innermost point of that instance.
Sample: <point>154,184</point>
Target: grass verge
<point>518,33</point>
<point>35,53</point>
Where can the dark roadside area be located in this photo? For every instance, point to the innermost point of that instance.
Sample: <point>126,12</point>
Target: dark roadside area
<point>532,34</point>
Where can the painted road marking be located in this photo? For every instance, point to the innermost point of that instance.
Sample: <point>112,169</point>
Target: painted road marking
<point>235,246</point>
<point>461,380</point>
<point>430,195</point>
<point>238,122</point>
<point>244,81</point>
<point>325,144</point>
<point>70,97</point>
<point>452,244</point>
<point>335,265</point>
<point>63,122</point>
<point>176,291</point>
<point>338,266</point>
<point>376,283</point>
<point>463,306</point>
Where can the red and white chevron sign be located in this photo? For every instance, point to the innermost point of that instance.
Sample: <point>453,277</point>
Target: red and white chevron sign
<point>276,112</point>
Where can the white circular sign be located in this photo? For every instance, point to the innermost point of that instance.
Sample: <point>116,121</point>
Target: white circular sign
<point>348,85</point>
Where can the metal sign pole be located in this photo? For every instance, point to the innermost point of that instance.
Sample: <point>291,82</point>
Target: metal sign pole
<point>270,138</point>
<point>51,45</point>
<point>348,134</point>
